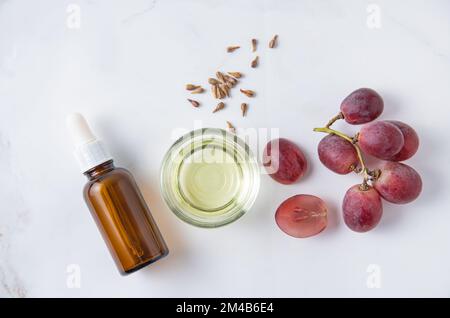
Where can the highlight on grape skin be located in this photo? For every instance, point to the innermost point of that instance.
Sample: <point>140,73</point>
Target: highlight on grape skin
<point>411,141</point>
<point>284,161</point>
<point>362,209</point>
<point>381,139</point>
<point>337,154</point>
<point>398,183</point>
<point>302,216</point>
<point>362,106</point>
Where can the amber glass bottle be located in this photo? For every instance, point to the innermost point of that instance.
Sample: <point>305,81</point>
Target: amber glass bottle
<point>116,203</point>
<point>123,217</point>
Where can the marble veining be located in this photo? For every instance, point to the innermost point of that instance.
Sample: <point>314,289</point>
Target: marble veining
<point>13,220</point>
<point>420,37</point>
<point>139,13</point>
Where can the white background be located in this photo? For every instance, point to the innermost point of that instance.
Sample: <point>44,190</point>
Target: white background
<point>125,68</point>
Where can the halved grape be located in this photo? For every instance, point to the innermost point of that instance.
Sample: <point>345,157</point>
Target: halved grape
<point>362,106</point>
<point>302,215</point>
<point>362,209</point>
<point>381,139</point>
<point>337,154</point>
<point>411,143</point>
<point>398,183</point>
<point>284,161</point>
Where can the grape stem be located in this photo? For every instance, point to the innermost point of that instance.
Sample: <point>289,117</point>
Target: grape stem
<point>334,119</point>
<point>364,170</point>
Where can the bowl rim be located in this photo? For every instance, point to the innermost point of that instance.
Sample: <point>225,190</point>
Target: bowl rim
<point>188,138</point>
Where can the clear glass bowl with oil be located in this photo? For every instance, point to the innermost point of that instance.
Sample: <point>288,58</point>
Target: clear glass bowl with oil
<point>209,177</point>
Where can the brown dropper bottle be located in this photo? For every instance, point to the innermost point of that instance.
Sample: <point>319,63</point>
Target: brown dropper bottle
<point>116,204</point>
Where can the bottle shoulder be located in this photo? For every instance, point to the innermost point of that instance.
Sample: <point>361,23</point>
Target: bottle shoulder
<point>107,180</point>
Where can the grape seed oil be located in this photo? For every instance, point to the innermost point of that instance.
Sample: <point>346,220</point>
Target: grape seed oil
<point>209,177</point>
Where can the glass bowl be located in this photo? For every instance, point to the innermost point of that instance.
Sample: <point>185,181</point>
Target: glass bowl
<point>209,177</point>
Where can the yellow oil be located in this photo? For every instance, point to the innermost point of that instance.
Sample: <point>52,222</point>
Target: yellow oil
<point>210,179</point>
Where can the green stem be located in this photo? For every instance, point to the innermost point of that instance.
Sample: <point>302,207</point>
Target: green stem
<point>334,119</point>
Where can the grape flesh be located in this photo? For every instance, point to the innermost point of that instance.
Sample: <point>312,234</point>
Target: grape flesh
<point>362,209</point>
<point>337,154</point>
<point>398,183</point>
<point>302,216</point>
<point>411,143</point>
<point>284,161</point>
<point>362,106</point>
<point>381,139</point>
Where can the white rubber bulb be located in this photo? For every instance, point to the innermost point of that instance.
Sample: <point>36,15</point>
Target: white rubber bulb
<point>79,129</point>
<point>89,151</point>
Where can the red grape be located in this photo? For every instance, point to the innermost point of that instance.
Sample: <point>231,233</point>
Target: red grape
<point>302,216</point>
<point>362,209</point>
<point>284,161</point>
<point>362,106</point>
<point>381,139</point>
<point>337,154</point>
<point>398,183</point>
<point>411,143</point>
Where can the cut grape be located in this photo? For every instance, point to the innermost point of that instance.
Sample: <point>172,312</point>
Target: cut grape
<point>411,143</point>
<point>362,209</point>
<point>302,216</point>
<point>337,154</point>
<point>362,106</point>
<point>398,183</point>
<point>381,139</point>
<point>284,161</point>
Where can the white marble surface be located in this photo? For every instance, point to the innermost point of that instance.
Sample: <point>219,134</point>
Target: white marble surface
<point>125,68</point>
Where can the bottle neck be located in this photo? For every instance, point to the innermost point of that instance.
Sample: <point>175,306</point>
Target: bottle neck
<point>99,170</point>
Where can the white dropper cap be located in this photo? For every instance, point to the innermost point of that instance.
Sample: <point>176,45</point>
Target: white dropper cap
<point>89,151</point>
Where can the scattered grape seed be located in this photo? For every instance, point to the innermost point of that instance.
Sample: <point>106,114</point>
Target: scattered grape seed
<point>222,92</point>
<point>230,127</point>
<point>213,81</point>
<point>219,106</point>
<point>220,76</point>
<point>244,108</point>
<point>198,90</point>
<point>230,80</point>
<point>255,62</point>
<point>214,91</point>
<point>194,102</point>
<point>233,48</point>
<point>273,42</point>
<point>235,74</point>
<point>254,44</point>
<point>226,89</point>
<point>224,82</point>
<point>191,87</point>
<point>247,92</point>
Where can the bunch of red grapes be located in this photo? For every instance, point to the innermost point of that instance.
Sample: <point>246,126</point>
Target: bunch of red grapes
<point>305,215</point>
<point>391,141</point>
